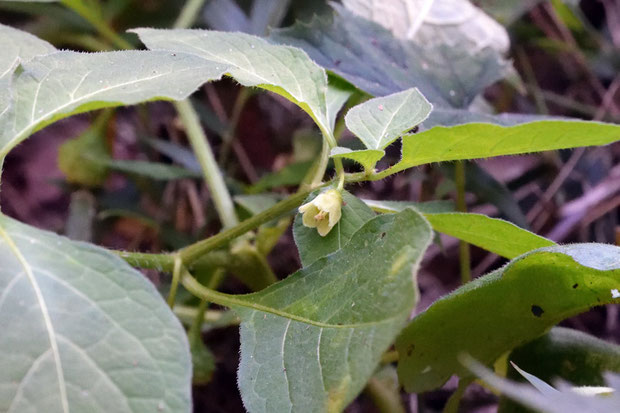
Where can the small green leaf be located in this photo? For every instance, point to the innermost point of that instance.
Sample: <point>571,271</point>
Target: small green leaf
<point>504,309</point>
<point>83,331</point>
<point>368,158</point>
<point>252,61</point>
<point>310,342</point>
<point>312,246</point>
<point>54,86</point>
<point>484,140</point>
<point>492,234</point>
<point>380,121</point>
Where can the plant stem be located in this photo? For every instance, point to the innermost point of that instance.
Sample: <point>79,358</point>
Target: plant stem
<point>461,206</point>
<point>386,399</point>
<point>188,14</point>
<point>165,262</point>
<point>174,285</point>
<point>195,251</point>
<point>94,18</point>
<point>452,406</point>
<point>198,140</point>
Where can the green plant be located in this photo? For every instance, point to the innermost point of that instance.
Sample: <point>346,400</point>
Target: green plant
<point>83,330</point>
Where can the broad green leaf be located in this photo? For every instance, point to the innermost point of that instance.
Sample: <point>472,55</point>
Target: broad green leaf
<point>310,343</point>
<point>153,170</point>
<point>312,246</point>
<point>82,331</point>
<point>380,121</point>
<point>252,61</point>
<point>368,158</point>
<point>370,57</point>
<point>504,309</point>
<point>428,207</point>
<point>492,234</point>
<point>57,85</point>
<point>484,140</point>
<point>18,46</point>
<point>561,400</point>
<point>566,354</point>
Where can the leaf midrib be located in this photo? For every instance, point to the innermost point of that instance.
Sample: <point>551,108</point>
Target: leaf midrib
<point>46,318</point>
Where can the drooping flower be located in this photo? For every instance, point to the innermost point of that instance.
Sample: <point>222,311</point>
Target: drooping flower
<point>323,212</point>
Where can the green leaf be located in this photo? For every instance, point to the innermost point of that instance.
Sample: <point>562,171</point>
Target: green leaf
<point>18,46</point>
<point>492,234</point>
<point>312,246</point>
<point>380,121</point>
<point>252,61</point>
<point>495,235</point>
<point>371,58</point>
<point>429,207</point>
<point>54,86</point>
<point>82,331</point>
<point>368,158</point>
<point>502,310</point>
<point>484,140</point>
<point>153,170</point>
<point>310,342</point>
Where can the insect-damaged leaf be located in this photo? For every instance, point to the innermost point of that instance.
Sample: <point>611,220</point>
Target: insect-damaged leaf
<point>253,61</point>
<point>484,140</point>
<point>380,121</point>
<point>83,331</point>
<point>504,309</point>
<point>310,342</point>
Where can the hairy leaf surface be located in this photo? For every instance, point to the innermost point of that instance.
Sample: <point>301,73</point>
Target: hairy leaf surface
<point>492,234</point>
<point>484,140</point>
<point>82,331</point>
<point>310,343</point>
<point>368,158</point>
<point>57,85</point>
<point>504,309</point>
<point>253,61</point>
<point>380,121</point>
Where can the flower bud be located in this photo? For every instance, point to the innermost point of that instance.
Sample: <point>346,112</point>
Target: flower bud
<point>323,212</point>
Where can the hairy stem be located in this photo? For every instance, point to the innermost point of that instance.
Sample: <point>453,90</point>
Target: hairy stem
<point>461,206</point>
<point>176,277</point>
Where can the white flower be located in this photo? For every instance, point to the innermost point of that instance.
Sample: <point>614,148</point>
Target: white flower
<point>323,212</point>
